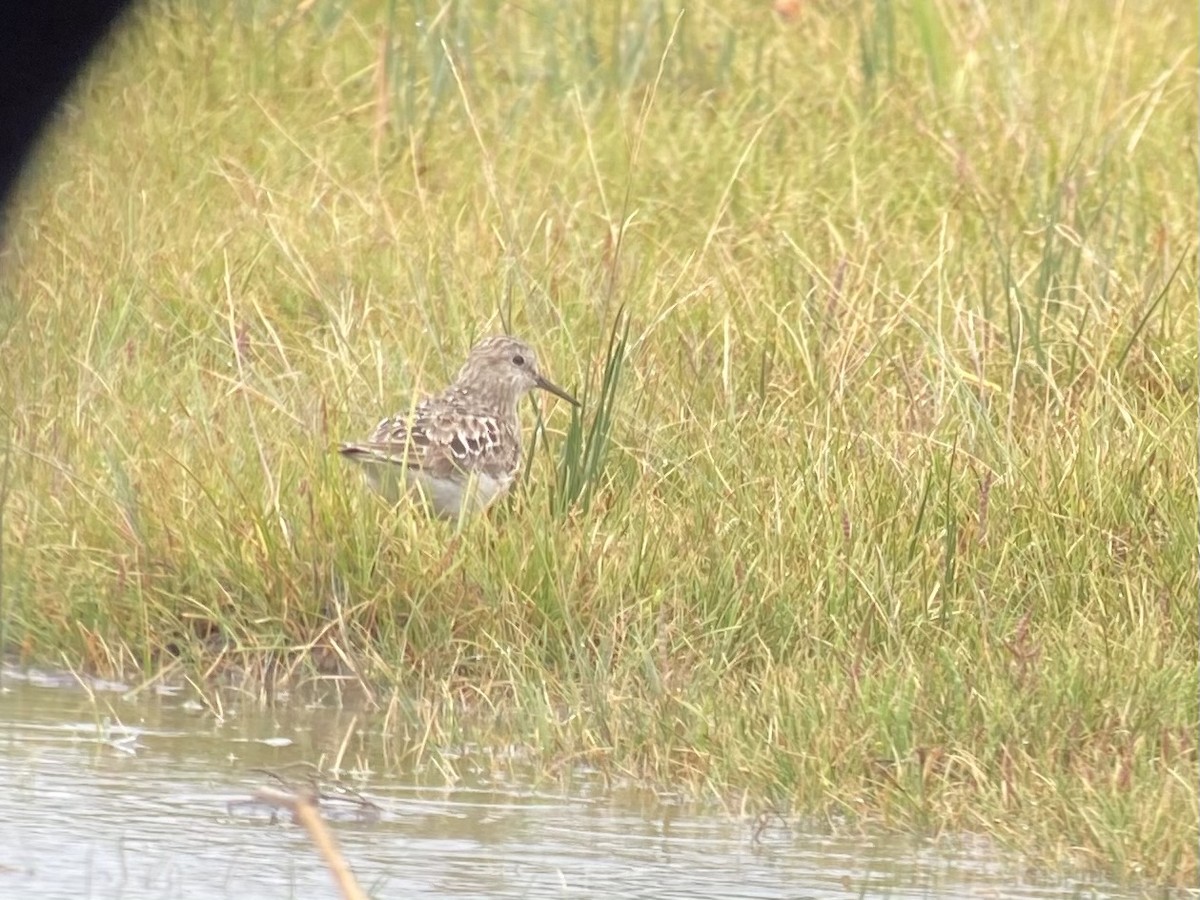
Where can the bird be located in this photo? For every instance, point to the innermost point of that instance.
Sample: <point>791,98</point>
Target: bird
<point>458,451</point>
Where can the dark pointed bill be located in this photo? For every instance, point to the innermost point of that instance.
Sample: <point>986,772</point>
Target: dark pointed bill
<point>547,385</point>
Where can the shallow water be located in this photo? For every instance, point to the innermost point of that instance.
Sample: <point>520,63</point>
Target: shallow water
<point>106,796</point>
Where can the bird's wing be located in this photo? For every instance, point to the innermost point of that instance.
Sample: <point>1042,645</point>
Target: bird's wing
<point>436,439</point>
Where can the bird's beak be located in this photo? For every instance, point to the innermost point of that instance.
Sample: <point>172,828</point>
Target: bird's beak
<point>547,385</point>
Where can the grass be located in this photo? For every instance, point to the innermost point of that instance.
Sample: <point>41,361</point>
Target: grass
<point>883,505</point>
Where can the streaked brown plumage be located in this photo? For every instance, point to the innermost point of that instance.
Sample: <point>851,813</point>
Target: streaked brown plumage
<point>461,449</point>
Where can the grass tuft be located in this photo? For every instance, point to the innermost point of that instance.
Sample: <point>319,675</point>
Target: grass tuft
<point>585,448</point>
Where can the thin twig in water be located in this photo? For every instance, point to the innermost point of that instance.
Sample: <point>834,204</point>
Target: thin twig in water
<point>303,807</point>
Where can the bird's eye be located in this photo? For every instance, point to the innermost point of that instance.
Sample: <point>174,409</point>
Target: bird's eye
<point>518,360</point>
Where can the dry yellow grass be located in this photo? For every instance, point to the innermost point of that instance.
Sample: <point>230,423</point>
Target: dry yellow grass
<point>892,513</point>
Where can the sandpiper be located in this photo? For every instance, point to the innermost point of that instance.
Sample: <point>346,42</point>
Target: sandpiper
<point>459,450</point>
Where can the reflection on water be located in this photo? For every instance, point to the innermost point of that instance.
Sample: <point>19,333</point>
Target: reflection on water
<point>103,796</point>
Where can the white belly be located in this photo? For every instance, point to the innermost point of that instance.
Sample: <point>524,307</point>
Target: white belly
<point>446,498</point>
<point>451,498</point>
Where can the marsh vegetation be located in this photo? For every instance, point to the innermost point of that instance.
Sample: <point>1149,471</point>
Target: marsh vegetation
<point>882,503</point>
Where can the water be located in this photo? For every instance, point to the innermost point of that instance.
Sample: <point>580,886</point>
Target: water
<point>102,795</point>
